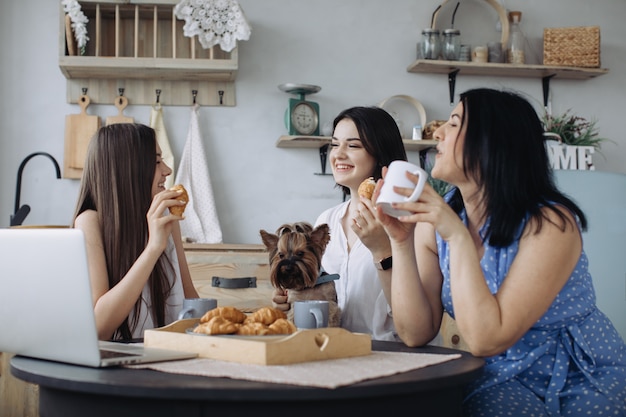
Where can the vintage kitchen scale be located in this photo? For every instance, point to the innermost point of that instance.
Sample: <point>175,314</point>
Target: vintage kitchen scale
<point>302,117</point>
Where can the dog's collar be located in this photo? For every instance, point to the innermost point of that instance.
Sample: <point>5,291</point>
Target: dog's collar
<point>325,277</point>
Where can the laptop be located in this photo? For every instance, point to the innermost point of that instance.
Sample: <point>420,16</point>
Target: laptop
<point>46,310</point>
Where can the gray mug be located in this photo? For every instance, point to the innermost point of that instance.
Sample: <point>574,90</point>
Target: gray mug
<point>196,307</point>
<point>310,314</point>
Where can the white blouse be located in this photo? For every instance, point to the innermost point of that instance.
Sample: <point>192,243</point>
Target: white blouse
<point>364,308</point>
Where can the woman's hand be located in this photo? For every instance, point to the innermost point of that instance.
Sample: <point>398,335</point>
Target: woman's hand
<point>429,208</point>
<point>160,219</point>
<point>370,231</point>
<point>395,229</point>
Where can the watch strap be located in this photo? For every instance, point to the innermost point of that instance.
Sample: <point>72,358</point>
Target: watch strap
<point>384,264</point>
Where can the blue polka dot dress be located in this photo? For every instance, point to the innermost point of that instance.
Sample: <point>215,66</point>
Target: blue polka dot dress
<point>572,362</point>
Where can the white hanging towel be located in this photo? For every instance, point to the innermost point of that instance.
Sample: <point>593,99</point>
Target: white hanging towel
<point>201,224</point>
<point>156,122</point>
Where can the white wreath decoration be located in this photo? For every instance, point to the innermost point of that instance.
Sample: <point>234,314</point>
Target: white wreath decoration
<point>214,22</point>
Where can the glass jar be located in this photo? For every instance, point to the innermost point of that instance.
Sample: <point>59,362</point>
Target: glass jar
<point>431,44</point>
<point>515,53</point>
<point>451,47</point>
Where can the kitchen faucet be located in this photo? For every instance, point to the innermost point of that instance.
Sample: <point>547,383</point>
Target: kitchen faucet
<point>20,213</point>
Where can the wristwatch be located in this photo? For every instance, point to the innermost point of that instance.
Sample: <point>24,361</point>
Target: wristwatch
<point>383,264</point>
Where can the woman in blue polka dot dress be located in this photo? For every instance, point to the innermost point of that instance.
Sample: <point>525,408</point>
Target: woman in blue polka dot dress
<point>502,253</point>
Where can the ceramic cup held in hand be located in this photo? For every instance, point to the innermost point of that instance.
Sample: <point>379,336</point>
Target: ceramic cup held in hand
<point>310,314</point>
<point>396,176</point>
<point>196,307</point>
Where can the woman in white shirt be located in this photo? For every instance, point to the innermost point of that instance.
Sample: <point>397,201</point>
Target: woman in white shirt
<point>365,139</point>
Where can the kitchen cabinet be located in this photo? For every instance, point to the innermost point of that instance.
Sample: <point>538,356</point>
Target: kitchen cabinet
<point>139,46</point>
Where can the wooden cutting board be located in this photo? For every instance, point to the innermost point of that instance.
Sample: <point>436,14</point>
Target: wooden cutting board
<point>79,128</point>
<point>69,36</point>
<point>121,102</point>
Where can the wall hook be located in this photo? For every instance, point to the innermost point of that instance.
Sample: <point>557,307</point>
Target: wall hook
<point>121,91</point>
<point>158,96</point>
<point>194,93</point>
<point>84,91</point>
<point>221,94</point>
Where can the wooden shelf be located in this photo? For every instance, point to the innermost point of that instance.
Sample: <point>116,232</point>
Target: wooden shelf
<point>545,72</point>
<point>319,141</point>
<point>150,68</point>
<point>140,46</point>
<point>504,70</point>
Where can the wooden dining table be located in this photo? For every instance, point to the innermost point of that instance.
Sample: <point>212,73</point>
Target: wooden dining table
<point>69,390</point>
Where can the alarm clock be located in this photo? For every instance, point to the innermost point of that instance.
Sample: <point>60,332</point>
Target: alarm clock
<point>302,117</point>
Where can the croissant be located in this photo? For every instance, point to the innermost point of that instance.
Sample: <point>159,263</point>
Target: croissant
<point>232,314</point>
<point>253,328</point>
<point>366,188</point>
<point>179,210</point>
<point>282,326</point>
<point>266,315</point>
<point>217,325</point>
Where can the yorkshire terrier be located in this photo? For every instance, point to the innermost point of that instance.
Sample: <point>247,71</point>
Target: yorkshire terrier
<point>295,258</point>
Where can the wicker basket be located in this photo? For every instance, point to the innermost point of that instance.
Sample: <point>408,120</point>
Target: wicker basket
<point>572,46</point>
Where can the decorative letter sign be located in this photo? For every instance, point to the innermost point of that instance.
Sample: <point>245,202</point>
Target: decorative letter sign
<point>570,157</point>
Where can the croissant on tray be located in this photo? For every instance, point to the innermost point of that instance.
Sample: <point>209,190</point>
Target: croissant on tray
<point>282,326</point>
<point>217,325</point>
<point>231,320</point>
<point>266,315</point>
<point>253,328</point>
<point>230,313</point>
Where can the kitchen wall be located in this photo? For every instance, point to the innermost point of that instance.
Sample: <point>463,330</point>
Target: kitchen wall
<point>356,50</point>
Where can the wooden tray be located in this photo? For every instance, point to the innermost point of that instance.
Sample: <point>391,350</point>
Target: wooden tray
<point>302,346</point>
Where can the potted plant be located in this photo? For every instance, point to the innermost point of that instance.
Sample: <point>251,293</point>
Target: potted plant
<point>571,140</point>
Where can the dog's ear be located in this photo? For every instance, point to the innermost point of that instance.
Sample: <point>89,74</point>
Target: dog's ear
<point>269,240</point>
<point>321,235</point>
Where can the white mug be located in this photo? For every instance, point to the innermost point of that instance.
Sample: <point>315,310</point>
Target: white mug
<point>396,176</point>
<point>310,314</point>
<point>196,307</point>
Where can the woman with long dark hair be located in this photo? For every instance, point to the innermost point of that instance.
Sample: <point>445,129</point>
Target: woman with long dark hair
<point>137,267</point>
<point>502,253</point>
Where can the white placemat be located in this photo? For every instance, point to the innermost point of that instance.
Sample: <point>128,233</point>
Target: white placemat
<point>325,374</point>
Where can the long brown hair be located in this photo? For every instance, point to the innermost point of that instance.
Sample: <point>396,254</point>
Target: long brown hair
<point>117,184</point>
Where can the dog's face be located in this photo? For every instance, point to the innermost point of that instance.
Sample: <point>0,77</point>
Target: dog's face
<point>295,254</point>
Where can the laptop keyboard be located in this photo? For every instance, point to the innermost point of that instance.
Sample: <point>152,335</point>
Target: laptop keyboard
<point>107,354</point>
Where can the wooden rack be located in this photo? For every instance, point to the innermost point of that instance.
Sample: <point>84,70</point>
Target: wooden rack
<point>139,45</point>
